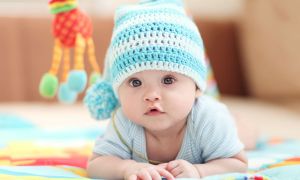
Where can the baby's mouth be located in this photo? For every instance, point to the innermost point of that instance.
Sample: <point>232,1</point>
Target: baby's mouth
<point>153,111</point>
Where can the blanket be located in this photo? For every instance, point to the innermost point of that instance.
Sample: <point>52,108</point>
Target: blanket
<point>30,152</point>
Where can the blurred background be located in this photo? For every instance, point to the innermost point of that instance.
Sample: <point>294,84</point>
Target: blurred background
<point>26,25</point>
<point>253,47</point>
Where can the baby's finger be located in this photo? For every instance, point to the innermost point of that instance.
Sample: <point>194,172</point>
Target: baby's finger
<point>176,171</point>
<point>154,174</point>
<point>144,174</point>
<point>165,174</point>
<point>171,165</point>
<point>132,177</point>
<point>163,165</point>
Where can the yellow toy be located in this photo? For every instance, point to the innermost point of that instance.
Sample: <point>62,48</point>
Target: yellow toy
<point>71,29</point>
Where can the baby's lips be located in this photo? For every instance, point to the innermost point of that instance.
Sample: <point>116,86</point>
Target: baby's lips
<point>155,107</point>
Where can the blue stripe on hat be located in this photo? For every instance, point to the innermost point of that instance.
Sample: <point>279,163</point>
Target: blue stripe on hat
<point>155,54</point>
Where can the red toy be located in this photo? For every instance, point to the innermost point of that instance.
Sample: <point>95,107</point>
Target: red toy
<point>71,29</point>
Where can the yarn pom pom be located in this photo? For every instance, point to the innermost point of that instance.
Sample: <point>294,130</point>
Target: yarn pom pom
<point>48,85</point>
<point>101,100</point>
<point>65,95</point>
<point>77,80</point>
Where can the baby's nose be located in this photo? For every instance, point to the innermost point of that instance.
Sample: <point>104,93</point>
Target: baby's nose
<point>152,96</point>
<point>152,99</point>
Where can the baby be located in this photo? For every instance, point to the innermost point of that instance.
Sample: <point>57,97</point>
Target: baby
<point>162,124</point>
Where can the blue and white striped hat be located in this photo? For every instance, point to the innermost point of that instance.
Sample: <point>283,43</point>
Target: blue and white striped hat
<point>151,35</point>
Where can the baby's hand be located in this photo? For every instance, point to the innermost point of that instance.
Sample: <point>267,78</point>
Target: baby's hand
<point>181,169</point>
<point>143,171</point>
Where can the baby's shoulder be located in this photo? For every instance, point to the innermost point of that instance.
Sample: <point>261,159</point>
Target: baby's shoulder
<point>208,111</point>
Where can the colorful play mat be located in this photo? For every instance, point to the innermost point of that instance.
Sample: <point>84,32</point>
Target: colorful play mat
<point>30,152</point>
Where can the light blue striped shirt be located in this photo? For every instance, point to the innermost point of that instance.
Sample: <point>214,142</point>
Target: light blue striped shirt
<point>210,134</point>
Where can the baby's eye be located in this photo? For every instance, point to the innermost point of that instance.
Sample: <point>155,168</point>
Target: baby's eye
<point>168,80</point>
<point>135,82</point>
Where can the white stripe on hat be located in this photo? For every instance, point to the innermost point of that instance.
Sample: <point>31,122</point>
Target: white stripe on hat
<point>159,18</point>
<point>142,7</point>
<point>158,39</point>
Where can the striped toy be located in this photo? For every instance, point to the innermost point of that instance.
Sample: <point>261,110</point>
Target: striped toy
<point>71,29</point>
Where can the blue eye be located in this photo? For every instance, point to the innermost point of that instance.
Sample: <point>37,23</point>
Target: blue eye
<point>168,80</point>
<point>135,82</point>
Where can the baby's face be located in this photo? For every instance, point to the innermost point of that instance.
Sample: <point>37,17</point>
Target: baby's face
<point>157,100</point>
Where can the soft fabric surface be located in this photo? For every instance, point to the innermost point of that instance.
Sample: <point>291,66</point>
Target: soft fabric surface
<point>30,152</point>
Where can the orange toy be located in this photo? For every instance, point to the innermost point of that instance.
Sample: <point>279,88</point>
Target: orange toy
<point>71,29</point>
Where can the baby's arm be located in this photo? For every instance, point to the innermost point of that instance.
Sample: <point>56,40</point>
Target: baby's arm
<point>237,163</point>
<point>108,167</point>
<point>112,167</point>
<point>183,169</point>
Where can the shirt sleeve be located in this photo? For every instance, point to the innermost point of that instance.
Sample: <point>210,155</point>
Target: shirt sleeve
<point>110,143</point>
<point>217,133</point>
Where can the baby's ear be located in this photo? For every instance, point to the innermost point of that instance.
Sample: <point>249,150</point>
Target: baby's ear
<point>198,93</point>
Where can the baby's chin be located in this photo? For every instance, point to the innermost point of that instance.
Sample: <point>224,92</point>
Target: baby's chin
<point>149,120</point>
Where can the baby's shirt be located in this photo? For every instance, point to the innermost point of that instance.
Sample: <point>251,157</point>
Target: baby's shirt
<point>210,134</point>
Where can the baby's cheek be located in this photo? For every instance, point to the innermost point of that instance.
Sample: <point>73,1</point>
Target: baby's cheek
<point>128,110</point>
<point>183,105</point>
<point>131,109</point>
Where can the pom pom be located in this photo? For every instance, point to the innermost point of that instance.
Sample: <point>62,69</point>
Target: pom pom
<point>48,85</point>
<point>65,95</point>
<point>101,100</point>
<point>94,77</point>
<point>77,80</point>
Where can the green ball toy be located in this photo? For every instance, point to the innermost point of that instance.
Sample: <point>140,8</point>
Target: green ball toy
<point>48,85</point>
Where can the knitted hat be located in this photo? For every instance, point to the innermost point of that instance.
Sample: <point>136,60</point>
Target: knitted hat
<point>151,35</point>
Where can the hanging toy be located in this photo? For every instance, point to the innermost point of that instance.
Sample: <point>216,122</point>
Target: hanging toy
<point>71,29</point>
